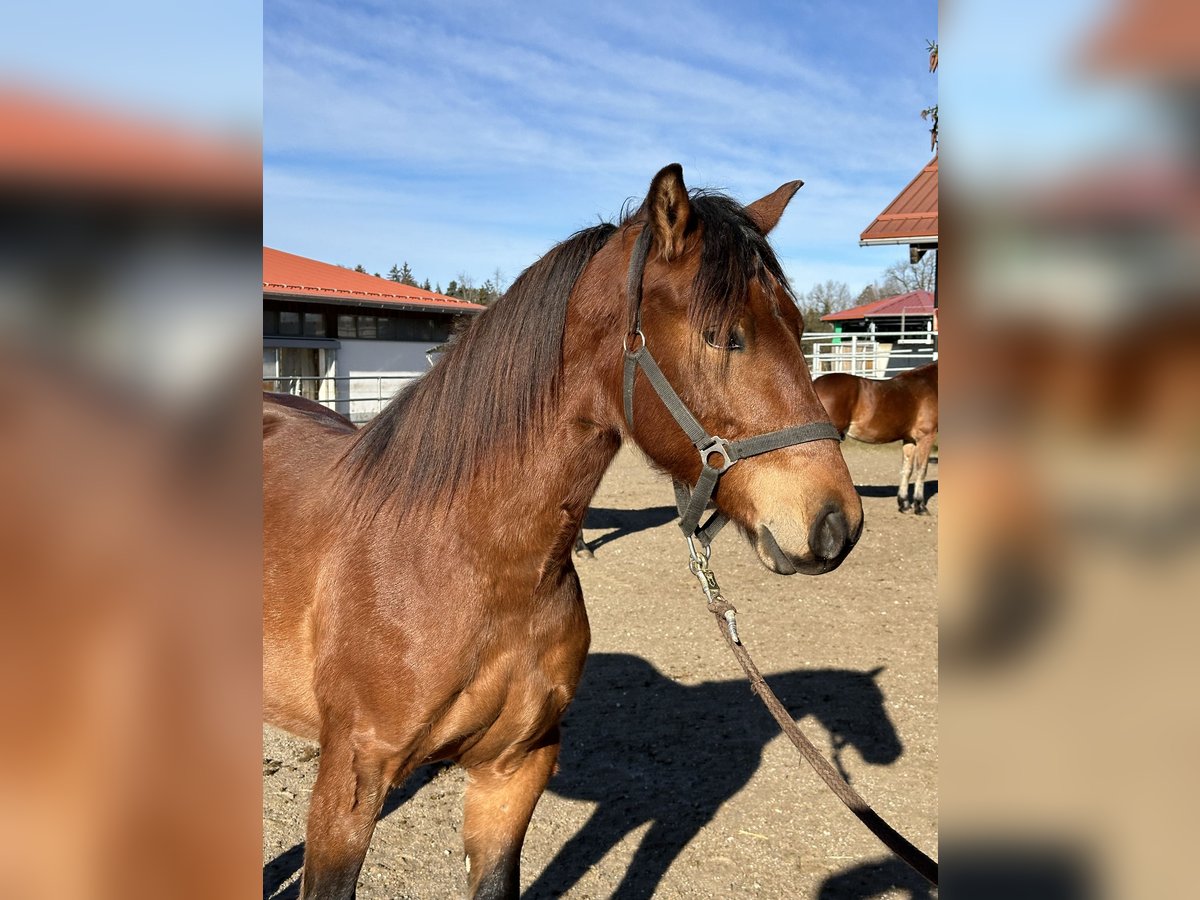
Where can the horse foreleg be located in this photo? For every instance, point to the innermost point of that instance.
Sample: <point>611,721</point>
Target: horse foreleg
<point>346,800</point>
<point>905,471</point>
<point>924,447</point>
<point>499,804</point>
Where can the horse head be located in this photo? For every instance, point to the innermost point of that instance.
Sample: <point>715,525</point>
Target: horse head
<point>716,310</point>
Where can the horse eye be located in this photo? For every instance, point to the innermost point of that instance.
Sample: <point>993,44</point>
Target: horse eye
<point>732,342</point>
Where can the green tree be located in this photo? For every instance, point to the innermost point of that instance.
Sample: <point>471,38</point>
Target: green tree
<point>406,275</point>
<point>425,285</point>
<point>394,273</point>
<point>359,268</point>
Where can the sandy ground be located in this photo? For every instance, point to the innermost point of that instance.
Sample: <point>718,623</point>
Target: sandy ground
<point>673,781</point>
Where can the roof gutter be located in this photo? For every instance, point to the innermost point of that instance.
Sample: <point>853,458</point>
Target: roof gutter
<point>375,303</point>
<point>931,240</point>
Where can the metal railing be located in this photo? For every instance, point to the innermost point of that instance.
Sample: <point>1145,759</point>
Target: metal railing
<point>870,354</point>
<point>358,397</point>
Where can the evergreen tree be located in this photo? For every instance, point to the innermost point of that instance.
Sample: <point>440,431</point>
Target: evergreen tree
<point>394,272</point>
<point>406,275</point>
<point>359,268</point>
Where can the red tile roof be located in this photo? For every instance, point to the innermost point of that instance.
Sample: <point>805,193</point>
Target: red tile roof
<point>289,275</point>
<point>1145,38</point>
<point>912,218</point>
<point>57,145</point>
<point>912,303</point>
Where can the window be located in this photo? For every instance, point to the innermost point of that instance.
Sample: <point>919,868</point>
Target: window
<point>314,324</point>
<point>366,327</point>
<point>289,323</point>
<point>345,327</point>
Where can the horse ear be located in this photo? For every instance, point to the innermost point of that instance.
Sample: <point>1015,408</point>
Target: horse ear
<point>669,210</point>
<point>766,212</point>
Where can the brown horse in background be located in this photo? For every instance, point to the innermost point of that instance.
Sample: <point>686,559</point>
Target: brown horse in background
<point>903,408</point>
<point>420,601</point>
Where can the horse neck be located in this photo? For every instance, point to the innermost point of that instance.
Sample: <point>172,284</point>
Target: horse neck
<point>540,504</point>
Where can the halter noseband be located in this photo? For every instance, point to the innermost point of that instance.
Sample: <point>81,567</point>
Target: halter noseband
<point>692,502</point>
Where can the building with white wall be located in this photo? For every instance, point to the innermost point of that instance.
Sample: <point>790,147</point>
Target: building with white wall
<point>345,338</point>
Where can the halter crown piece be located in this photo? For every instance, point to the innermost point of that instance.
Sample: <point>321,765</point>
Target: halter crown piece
<point>692,502</point>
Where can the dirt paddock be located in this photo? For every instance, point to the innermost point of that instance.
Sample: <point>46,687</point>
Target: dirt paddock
<point>673,781</point>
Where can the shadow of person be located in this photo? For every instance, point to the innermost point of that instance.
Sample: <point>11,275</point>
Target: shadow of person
<point>624,522</point>
<point>647,749</point>
<point>875,879</point>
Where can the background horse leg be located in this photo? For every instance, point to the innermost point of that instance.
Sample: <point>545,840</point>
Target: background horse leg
<point>499,804</point>
<point>346,800</point>
<point>905,472</point>
<point>581,547</point>
<point>924,446</point>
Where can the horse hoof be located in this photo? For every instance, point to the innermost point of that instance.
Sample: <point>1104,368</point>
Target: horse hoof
<point>584,553</point>
<point>920,511</point>
<point>903,504</point>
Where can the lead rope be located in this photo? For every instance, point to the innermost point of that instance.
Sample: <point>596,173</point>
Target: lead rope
<point>692,503</point>
<point>726,617</point>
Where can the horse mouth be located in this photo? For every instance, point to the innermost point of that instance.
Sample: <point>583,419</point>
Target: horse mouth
<point>781,562</point>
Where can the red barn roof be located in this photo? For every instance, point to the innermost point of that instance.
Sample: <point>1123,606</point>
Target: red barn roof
<point>298,277</point>
<point>56,145</point>
<point>914,303</point>
<point>912,218</point>
<point>1155,39</point>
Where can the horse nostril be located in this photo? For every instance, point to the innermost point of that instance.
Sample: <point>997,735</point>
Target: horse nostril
<point>830,533</point>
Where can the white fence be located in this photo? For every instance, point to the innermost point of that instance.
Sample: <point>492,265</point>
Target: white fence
<point>877,355</point>
<point>871,354</point>
<point>358,397</point>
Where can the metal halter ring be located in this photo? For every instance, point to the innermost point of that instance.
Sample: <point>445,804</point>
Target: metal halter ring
<point>719,446</point>
<point>636,333</point>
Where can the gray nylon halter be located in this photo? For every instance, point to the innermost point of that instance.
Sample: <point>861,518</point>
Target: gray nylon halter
<point>692,502</point>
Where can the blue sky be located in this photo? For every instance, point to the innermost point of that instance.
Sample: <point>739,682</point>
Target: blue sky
<point>465,136</point>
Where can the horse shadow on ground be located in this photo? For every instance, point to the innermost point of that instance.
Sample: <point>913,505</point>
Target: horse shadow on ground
<point>624,522</point>
<point>876,879</point>
<point>649,750</point>
<point>890,490</point>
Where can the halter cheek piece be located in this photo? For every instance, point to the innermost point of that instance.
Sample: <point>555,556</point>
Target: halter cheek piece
<point>717,455</point>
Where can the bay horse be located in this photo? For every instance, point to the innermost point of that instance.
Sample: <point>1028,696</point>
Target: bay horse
<point>420,600</point>
<point>901,408</point>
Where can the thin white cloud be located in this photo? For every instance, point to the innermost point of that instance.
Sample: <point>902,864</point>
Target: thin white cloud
<point>529,124</point>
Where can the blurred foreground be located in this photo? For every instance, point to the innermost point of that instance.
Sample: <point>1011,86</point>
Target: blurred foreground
<point>129,540</point>
<point>1071,454</point>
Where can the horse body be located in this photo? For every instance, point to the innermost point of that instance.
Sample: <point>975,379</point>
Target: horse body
<point>903,408</point>
<point>420,601</point>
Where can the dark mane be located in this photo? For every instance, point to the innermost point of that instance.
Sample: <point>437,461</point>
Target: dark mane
<point>735,254</point>
<point>493,385</point>
<point>500,378</point>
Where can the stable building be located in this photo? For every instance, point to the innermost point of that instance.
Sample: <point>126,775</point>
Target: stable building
<point>887,336</point>
<point>345,338</point>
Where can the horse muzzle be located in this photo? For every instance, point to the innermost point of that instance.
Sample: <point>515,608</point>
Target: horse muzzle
<point>829,540</point>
